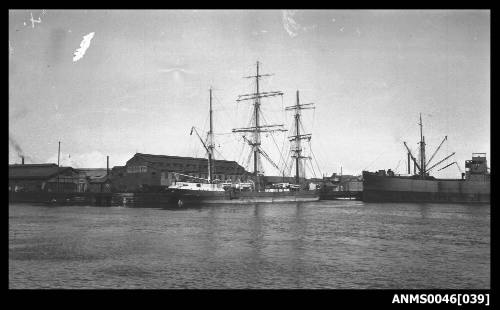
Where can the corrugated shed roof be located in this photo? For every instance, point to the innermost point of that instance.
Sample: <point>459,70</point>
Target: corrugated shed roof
<point>166,159</point>
<point>93,173</point>
<point>35,171</point>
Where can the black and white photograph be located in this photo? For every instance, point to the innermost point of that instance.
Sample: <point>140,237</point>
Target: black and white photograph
<point>229,149</point>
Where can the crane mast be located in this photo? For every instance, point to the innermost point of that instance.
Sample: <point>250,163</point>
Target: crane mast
<point>422,165</point>
<point>422,150</point>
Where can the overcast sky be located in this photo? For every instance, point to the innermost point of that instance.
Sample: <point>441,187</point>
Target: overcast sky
<point>141,80</point>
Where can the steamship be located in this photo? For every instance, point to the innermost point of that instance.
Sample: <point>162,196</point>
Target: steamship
<point>474,185</point>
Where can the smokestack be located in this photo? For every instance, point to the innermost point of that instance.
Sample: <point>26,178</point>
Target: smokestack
<point>409,169</point>
<point>107,165</point>
<point>22,160</point>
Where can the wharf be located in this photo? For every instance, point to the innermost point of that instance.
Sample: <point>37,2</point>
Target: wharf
<point>129,199</point>
<point>334,195</point>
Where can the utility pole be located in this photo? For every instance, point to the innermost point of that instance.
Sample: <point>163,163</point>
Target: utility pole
<point>58,170</point>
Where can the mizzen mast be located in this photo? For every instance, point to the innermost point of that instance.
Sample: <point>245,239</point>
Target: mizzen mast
<point>297,137</point>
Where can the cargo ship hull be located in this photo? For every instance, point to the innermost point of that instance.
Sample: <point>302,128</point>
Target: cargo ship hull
<point>377,188</point>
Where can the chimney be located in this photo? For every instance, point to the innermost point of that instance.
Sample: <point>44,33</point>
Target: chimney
<point>22,160</point>
<point>107,165</point>
<point>409,168</point>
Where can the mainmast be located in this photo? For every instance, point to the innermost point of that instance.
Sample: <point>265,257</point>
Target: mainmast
<point>257,127</point>
<point>210,144</point>
<point>297,148</point>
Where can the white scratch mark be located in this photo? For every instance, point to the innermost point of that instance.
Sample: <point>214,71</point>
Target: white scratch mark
<point>176,70</point>
<point>84,45</point>
<point>289,23</point>
<point>263,31</point>
<point>33,21</point>
<point>24,23</point>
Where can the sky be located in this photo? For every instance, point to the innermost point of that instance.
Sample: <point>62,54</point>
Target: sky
<point>117,82</point>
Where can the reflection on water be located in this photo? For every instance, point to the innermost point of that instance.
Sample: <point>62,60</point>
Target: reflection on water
<point>327,244</point>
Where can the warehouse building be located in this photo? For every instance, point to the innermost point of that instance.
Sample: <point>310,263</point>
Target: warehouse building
<point>44,177</point>
<point>146,172</point>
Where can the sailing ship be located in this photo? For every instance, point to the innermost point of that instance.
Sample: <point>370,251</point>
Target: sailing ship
<point>474,185</point>
<point>208,190</point>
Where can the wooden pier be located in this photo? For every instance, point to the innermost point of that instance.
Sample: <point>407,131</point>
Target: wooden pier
<point>336,195</point>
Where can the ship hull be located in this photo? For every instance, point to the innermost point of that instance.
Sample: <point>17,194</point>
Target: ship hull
<point>187,197</point>
<point>173,197</point>
<point>378,188</point>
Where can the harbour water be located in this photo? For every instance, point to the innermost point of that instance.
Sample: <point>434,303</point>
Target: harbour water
<point>326,244</point>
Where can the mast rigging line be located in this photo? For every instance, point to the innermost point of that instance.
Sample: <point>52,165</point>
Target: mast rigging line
<point>314,156</point>
<point>274,140</point>
<point>312,168</point>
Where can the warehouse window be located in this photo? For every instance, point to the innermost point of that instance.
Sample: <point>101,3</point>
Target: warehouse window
<point>136,169</point>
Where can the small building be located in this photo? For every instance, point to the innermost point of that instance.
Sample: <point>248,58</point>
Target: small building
<point>147,172</point>
<point>43,177</point>
<point>100,185</point>
<point>351,183</point>
<point>94,180</point>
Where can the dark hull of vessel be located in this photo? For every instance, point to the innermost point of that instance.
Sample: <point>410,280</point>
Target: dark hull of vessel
<point>190,197</point>
<point>377,188</point>
<point>173,197</point>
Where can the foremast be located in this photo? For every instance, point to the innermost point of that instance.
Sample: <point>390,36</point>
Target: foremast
<point>209,144</point>
<point>257,128</point>
<point>298,136</point>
